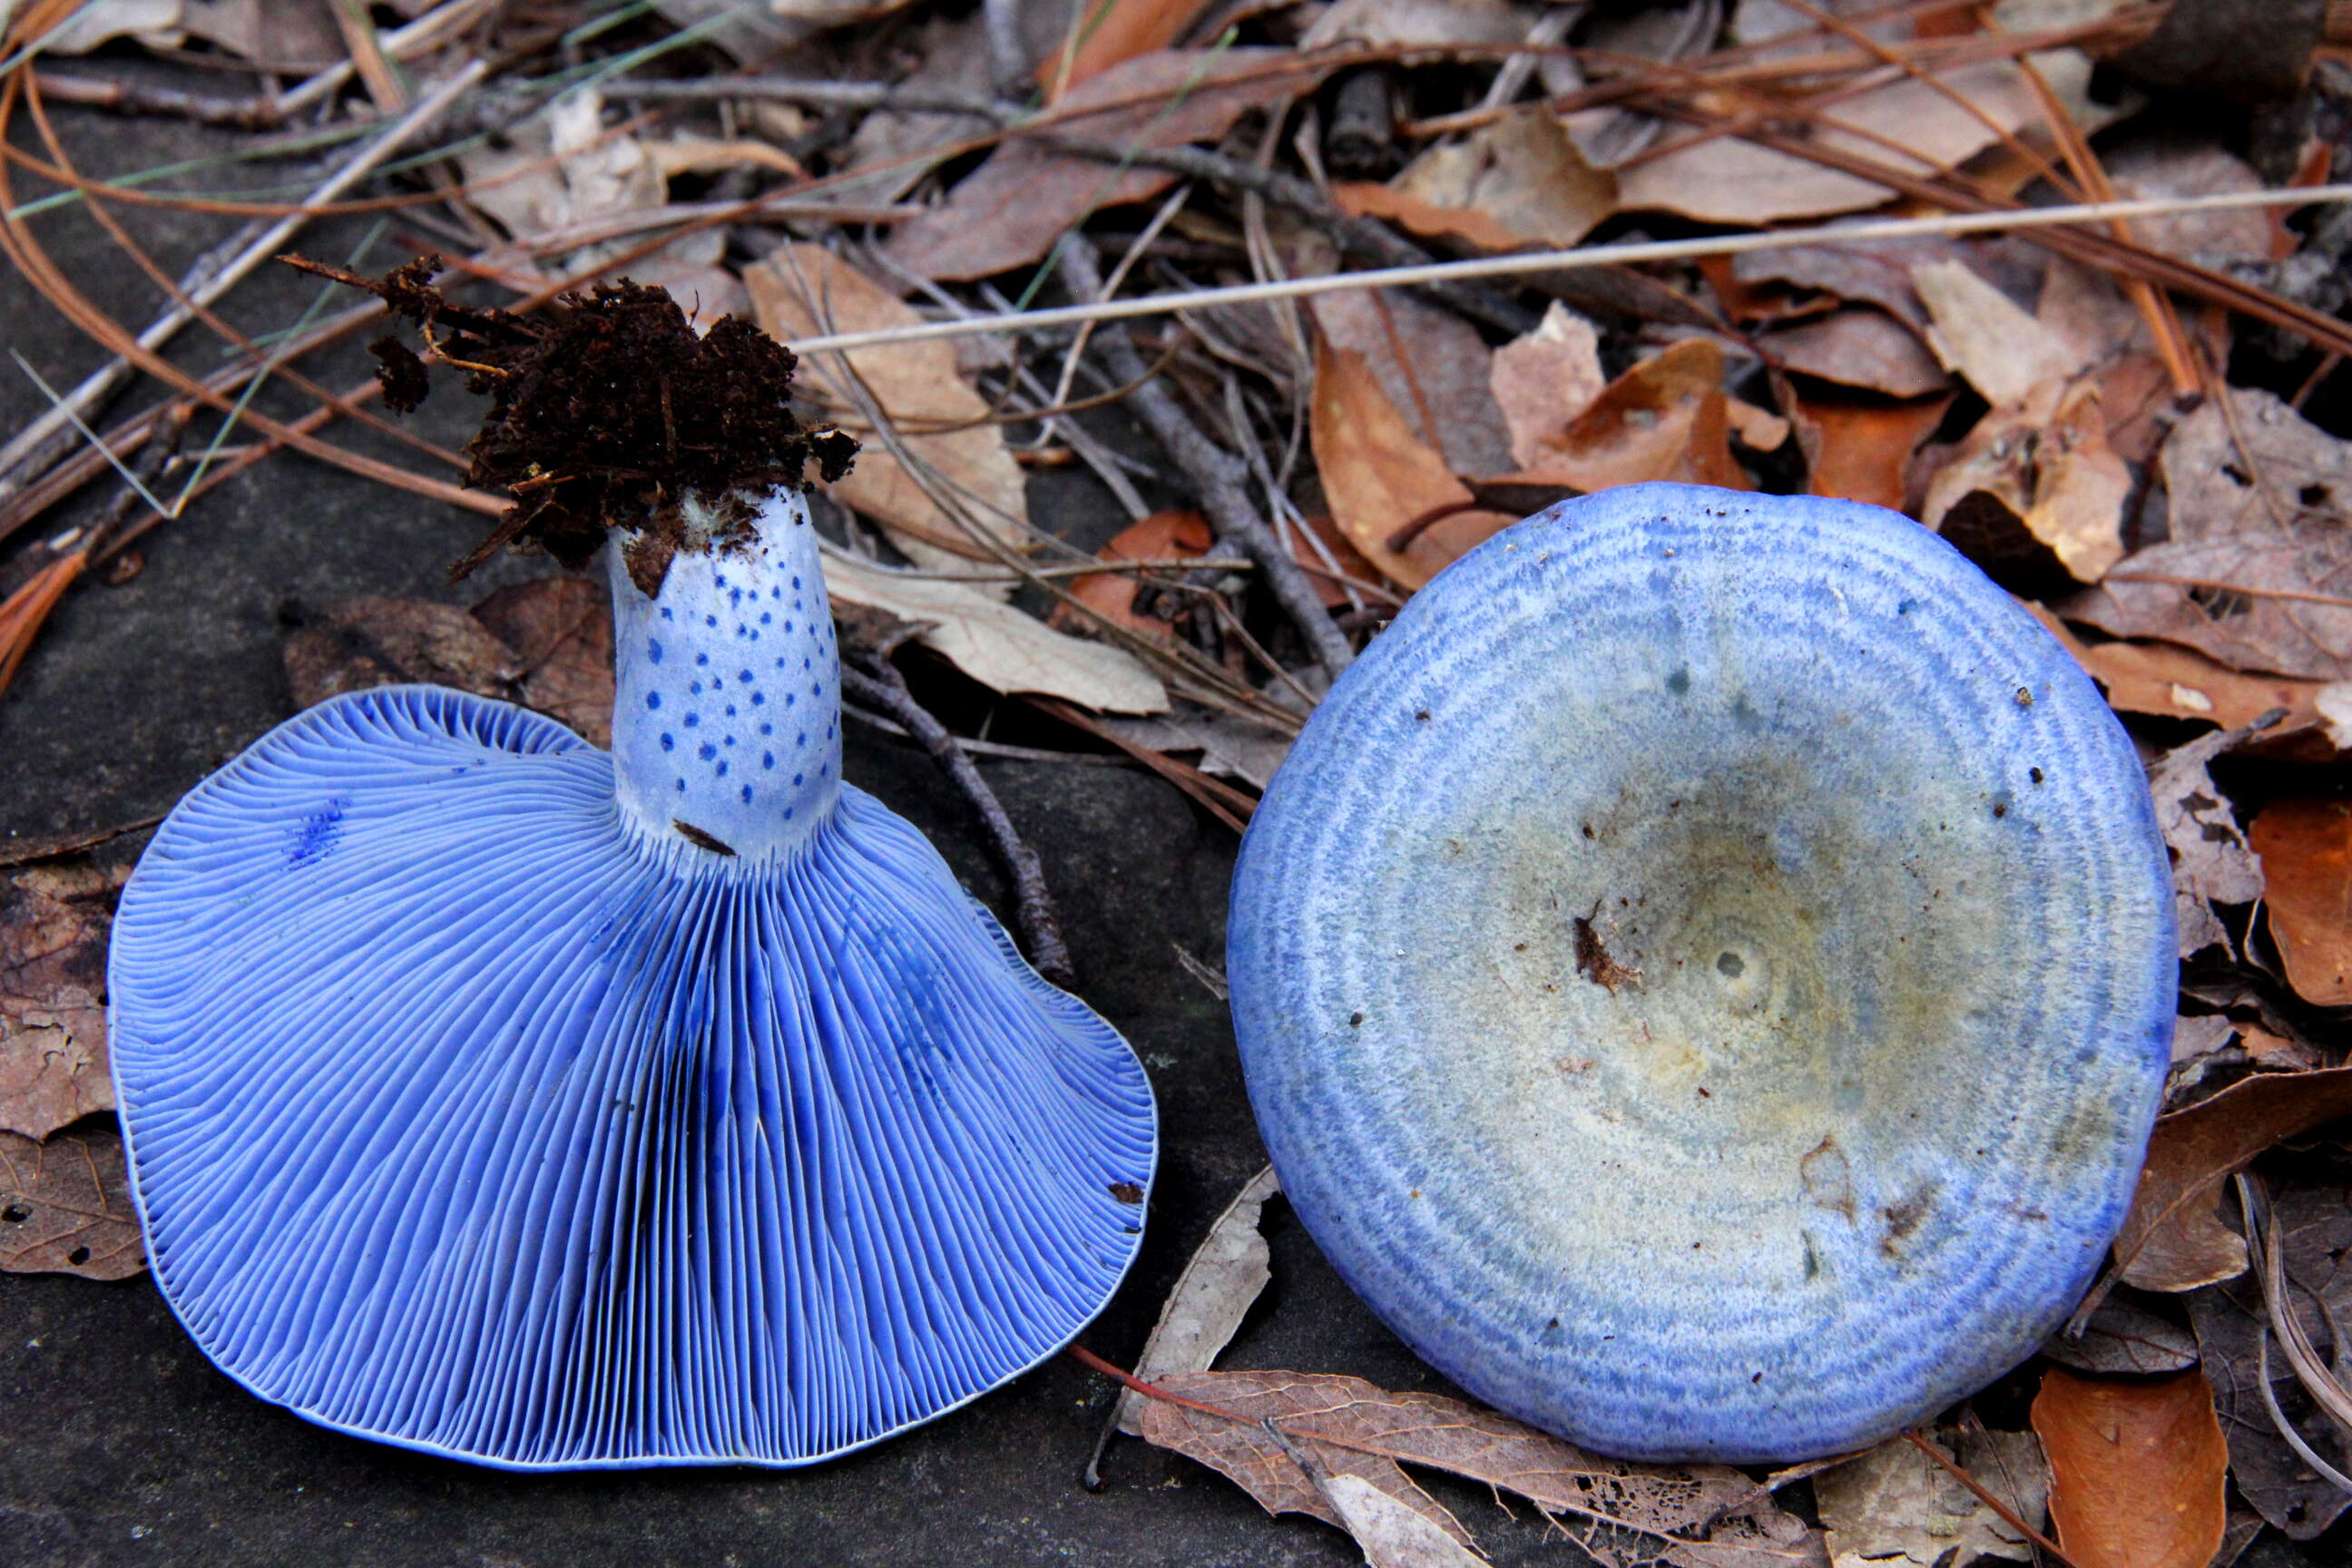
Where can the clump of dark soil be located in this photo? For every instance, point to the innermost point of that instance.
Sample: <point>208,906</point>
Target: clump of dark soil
<point>606,411</point>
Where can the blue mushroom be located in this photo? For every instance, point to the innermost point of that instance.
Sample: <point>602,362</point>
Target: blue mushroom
<point>502,1098</point>
<point>1705,975</point>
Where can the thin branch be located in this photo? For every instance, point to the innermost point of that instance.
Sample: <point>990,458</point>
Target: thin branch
<point>875,681</point>
<point>1221,479</point>
<point>2009,1516</point>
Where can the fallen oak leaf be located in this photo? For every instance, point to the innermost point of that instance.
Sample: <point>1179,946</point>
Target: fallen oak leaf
<point>1434,367</point>
<point>2210,861</point>
<point>2258,556</point>
<point>2122,1337</point>
<point>1009,212</point>
<point>1516,183</point>
<point>560,630</point>
<point>1860,450</point>
<point>1393,1533</point>
<point>2034,495</point>
<point>54,1067</point>
<point>2306,846</point>
<point>1980,334</point>
<point>1665,418</point>
<point>1217,1419</point>
<point>943,424</point>
<point>2137,1468</point>
<point>1543,379</point>
<point>1002,648</point>
<point>1860,348</point>
<point>1206,1305</point>
<point>65,1205</point>
<point>1381,481</point>
<point>2173,1238</point>
<point>1164,535</point>
<point>1897,1506</point>
<point>2176,682</point>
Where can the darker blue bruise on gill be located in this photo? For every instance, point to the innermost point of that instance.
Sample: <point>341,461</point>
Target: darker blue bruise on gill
<point>315,835</point>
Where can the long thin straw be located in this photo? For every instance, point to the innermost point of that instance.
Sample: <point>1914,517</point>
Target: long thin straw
<point>1520,263</point>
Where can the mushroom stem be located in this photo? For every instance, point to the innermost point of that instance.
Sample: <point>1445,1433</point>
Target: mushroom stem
<point>727,706</point>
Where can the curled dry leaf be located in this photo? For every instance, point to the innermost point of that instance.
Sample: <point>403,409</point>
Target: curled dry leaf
<point>355,644</point>
<point>2035,495</point>
<point>1542,381</point>
<point>2137,1468</point>
<point>801,290</point>
<point>53,1068</point>
<point>1665,418</point>
<point>1427,359</point>
<point>1860,348</point>
<point>2248,524</point>
<point>2314,1242</point>
<point>1896,1507</point>
<point>1230,746</point>
<point>1009,212</point>
<point>2306,851</point>
<point>1983,336</point>
<point>65,1205</point>
<point>2174,1239</point>
<point>996,645</point>
<point>2126,1338</point>
<point>1859,448</point>
<point>2210,861</point>
<point>1517,184</point>
<point>1381,479</point>
<point>1112,32</point>
<point>1162,536</point>
<point>2175,682</point>
<point>560,630</point>
<point>1382,1428</point>
<point>1724,180</point>
<point>547,643</point>
<point>1221,1278</point>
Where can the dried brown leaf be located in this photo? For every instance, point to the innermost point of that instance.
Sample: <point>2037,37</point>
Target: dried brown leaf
<point>1009,212</point>
<point>1392,23</point>
<point>1111,33</point>
<point>997,645</point>
<point>1726,180</point>
<point>1515,184</point>
<point>560,630</point>
<point>2269,518</point>
<point>2210,861</point>
<point>1430,1429</point>
<point>355,644</point>
<point>53,1068</point>
<point>1210,1297</point>
<point>1861,449</point>
<point>1445,369</point>
<point>2314,1244</point>
<point>2306,845</point>
<point>2175,1238</point>
<point>2173,167</point>
<point>1897,1507</point>
<point>1665,418</point>
<point>65,1205</point>
<point>2176,682</point>
<point>1543,379</point>
<point>803,289</point>
<point>2122,1337</point>
<point>1378,477</point>
<point>1162,536</point>
<point>2035,495</point>
<point>2137,1468</point>
<point>1861,348</point>
<point>1982,334</point>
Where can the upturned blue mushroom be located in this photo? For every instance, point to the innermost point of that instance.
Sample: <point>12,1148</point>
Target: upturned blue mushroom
<point>498,1097</point>
<point>1705,975</point>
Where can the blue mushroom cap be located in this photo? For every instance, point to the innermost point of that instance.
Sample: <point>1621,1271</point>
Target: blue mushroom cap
<point>1705,975</point>
<point>496,1095</point>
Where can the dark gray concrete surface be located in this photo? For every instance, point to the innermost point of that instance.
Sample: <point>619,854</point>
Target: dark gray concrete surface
<point>119,1444</point>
